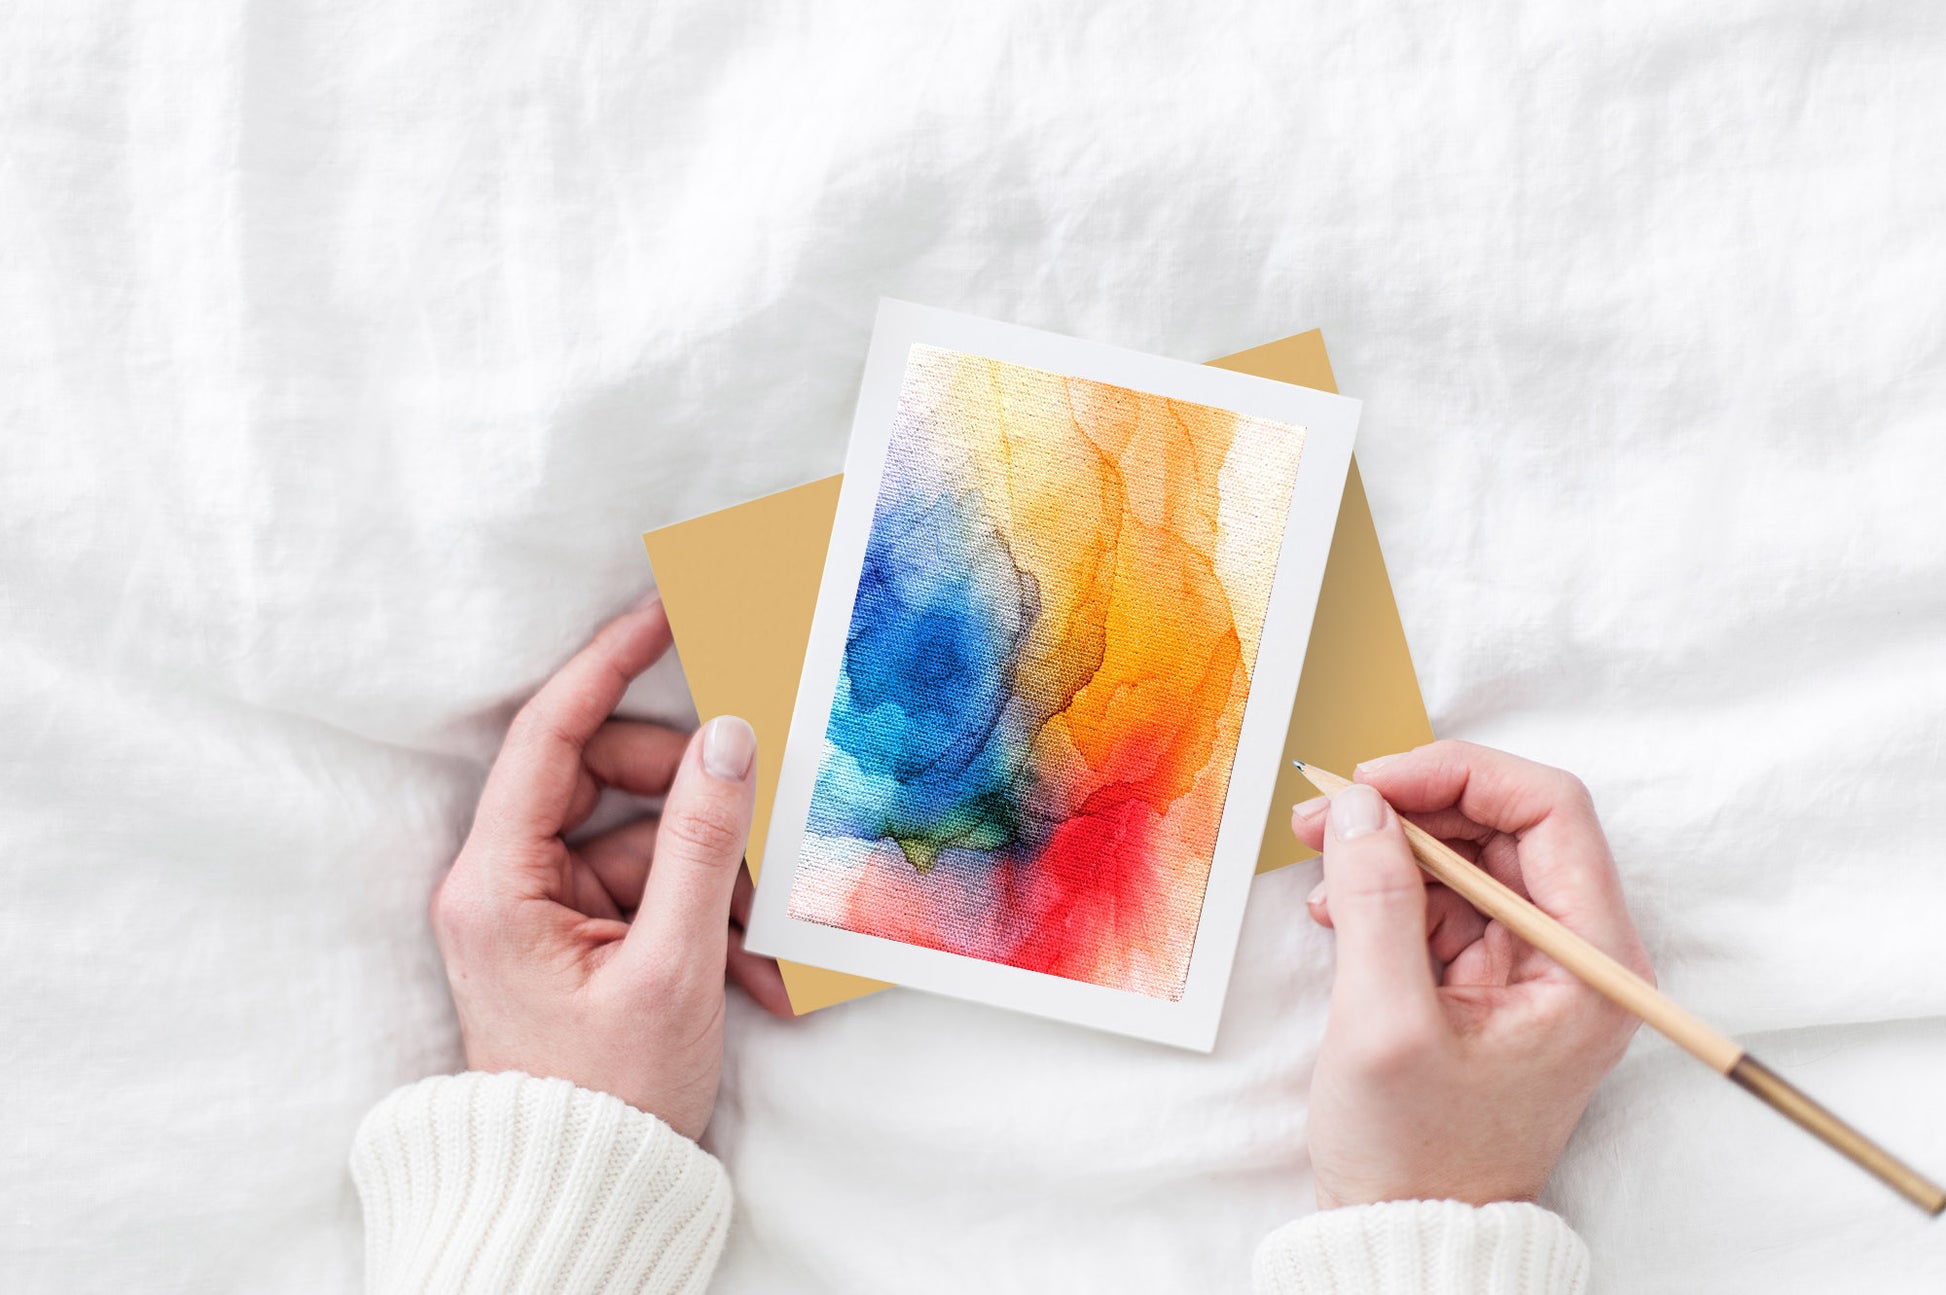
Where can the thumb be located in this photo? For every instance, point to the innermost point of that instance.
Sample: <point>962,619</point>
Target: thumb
<point>1378,907</point>
<point>685,913</point>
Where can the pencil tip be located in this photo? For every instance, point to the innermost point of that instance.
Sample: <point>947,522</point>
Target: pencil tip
<point>1298,763</point>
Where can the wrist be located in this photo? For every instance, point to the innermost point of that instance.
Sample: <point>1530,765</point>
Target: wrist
<point>1462,1195</point>
<point>1501,1185</point>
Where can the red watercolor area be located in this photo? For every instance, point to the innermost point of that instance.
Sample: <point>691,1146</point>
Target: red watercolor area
<point>1089,891</point>
<point>1082,907</point>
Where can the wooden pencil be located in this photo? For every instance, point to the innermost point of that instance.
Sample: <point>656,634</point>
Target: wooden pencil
<point>1638,997</point>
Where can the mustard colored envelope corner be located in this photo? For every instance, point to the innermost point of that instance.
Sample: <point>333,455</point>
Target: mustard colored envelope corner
<point>740,586</point>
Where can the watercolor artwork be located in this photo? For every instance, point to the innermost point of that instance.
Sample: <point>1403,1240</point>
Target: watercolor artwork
<point>1044,675</point>
<point>1054,628</point>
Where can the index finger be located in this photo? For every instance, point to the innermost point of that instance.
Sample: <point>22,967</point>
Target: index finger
<point>1564,860</point>
<point>1494,789</point>
<point>532,784</point>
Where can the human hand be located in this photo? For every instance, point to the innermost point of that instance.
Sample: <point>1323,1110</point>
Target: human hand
<point>1457,1059</point>
<point>554,971</point>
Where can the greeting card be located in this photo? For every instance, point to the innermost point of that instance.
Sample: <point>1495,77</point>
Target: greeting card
<point>1038,724</point>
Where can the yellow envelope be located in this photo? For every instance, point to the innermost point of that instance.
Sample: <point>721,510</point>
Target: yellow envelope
<point>740,587</point>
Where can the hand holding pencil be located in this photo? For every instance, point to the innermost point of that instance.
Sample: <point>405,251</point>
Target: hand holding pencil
<point>1464,1083</point>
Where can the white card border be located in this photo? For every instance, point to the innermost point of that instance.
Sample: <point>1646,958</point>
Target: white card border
<point>1330,424</point>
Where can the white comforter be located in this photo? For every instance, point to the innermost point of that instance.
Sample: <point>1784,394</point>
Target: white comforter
<point>346,347</point>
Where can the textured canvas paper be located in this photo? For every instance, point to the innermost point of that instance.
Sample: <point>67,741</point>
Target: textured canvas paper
<point>1037,725</point>
<point>741,586</point>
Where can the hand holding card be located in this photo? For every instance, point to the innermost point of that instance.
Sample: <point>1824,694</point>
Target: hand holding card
<point>1037,732</point>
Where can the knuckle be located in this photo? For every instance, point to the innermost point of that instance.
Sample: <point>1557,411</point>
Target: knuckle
<point>710,832</point>
<point>1452,761</point>
<point>1382,889</point>
<point>1603,1032</point>
<point>1573,791</point>
<point>659,971</point>
<point>669,977</point>
<point>533,725</point>
<point>1578,1022</point>
<point>455,910</point>
<point>527,722</point>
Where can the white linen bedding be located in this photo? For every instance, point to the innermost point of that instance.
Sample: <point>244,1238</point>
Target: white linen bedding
<point>345,348</point>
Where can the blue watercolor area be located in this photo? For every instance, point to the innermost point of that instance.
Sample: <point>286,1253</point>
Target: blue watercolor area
<point>926,744</point>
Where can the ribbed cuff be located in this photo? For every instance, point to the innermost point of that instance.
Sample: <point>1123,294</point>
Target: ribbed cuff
<point>1440,1247</point>
<point>505,1182</point>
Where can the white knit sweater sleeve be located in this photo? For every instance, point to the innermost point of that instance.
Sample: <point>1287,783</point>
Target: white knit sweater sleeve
<point>505,1182</point>
<point>1437,1247</point>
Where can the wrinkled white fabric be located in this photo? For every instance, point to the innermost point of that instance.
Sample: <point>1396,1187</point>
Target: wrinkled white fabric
<point>346,347</point>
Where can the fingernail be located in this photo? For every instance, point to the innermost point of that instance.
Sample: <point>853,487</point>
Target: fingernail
<point>1374,764</point>
<point>1357,811</point>
<point>729,748</point>
<point>1310,808</point>
<point>1317,894</point>
<point>647,600</point>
